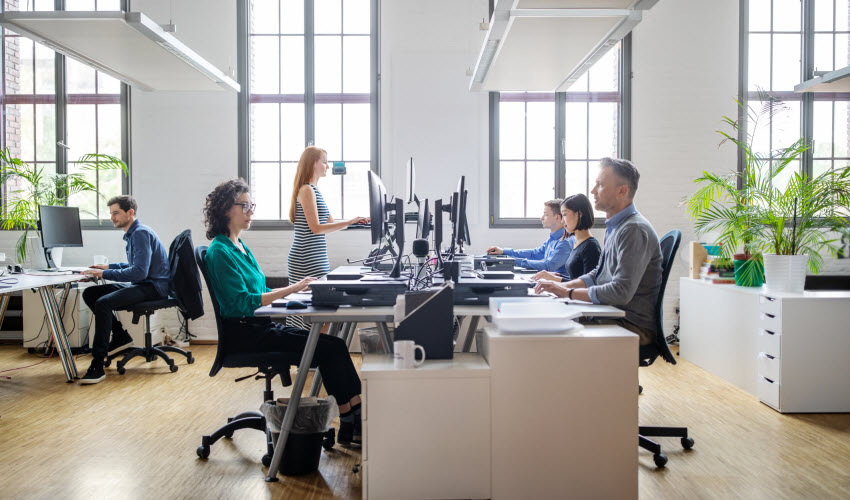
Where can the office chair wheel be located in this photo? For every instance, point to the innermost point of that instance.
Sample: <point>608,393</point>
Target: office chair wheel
<point>687,443</point>
<point>267,460</point>
<point>203,451</point>
<point>107,362</point>
<point>190,360</point>
<point>660,460</point>
<point>173,368</point>
<point>121,369</point>
<point>640,389</point>
<point>329,440</point>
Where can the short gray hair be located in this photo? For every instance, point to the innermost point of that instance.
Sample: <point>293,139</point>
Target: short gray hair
<point>625,170</point>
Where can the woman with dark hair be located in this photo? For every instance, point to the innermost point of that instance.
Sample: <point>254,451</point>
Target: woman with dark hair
<point>577,213</point>
<point>240,288</point>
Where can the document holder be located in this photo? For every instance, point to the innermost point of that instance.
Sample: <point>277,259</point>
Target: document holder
<point>431,325</point>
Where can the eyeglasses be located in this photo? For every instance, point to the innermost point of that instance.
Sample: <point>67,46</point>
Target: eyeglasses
<point>247,207</point>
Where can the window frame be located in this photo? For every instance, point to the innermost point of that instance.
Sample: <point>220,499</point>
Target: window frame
<point>243,20</point>
<point>624,142</point>
<point>60,100</point>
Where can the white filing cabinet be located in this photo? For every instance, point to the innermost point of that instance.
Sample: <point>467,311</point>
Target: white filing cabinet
<point>426,431</point>
<point>564,413</point>
<point>803,345</point>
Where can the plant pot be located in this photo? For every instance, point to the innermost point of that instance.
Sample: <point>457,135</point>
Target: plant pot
<point>749,272</point>
<point>785,273</point>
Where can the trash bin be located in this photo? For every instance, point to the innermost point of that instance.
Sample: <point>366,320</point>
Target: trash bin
<point>304,445</point>
<point>371,341</point>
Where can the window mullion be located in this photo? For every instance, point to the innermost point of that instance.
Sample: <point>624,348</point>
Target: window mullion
<point>808,98</point>
<point>61,105</point>
<point>309,73</point>
<point>560,137</point>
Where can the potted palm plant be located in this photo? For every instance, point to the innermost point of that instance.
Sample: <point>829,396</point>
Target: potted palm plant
<point>789,221</point>
<point>35,186</point>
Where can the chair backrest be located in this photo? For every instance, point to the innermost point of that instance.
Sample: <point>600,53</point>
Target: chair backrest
<point>200,253</point>
<point>669,244</point>
<point>184,281</point>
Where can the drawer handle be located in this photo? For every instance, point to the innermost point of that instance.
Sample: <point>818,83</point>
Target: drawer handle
<point>769,299</point>
<point>771,316</point>
<point>769,356</point>
<point>769,380</point>
<point>769,332</point>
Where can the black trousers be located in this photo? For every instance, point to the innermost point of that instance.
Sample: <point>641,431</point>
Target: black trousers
<point>331,356</point>
<point>103,300</point>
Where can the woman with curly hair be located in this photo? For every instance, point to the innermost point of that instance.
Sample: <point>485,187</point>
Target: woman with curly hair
<point>240,288</point>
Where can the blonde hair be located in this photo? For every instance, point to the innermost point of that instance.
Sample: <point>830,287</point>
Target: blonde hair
<point>303,174</point>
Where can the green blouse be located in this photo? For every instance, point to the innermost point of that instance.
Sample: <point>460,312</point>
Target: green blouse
<point>236,278</point>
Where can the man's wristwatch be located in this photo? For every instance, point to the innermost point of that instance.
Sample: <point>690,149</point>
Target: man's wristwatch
<point>570,296</point>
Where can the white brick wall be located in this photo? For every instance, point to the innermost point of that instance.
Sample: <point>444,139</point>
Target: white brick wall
<point>685,77</point>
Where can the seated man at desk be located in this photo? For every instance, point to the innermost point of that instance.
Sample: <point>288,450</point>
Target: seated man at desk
<point>552,255</point>
<point>629,271</point>
<point>143,277</point>
<point>240,288</point>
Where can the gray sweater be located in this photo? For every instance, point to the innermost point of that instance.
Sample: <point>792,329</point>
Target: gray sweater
<point>631,271</point>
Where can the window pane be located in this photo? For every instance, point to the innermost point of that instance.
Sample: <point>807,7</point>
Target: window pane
<point>80,77</point>
<point>541,130</point>
<point>264,16</point>
<point>540,186</point>
<point>786,126</point>
<point>109,185</point>
<point>328,16</point>
<point>356,64</point>
<point>603,75</point>
<point>292,135</point>
<point>265,125</point>
<point>86,201</point>
<point>511,187</point>
<point>786,62</point>
<point>265,73</point>
<point>842,134</point>
<point>356,133</point>
<point>103,5</point>
<point>331,188</point>
<point>107,85</point>
<point>758,74</point>
<point>760,131</point>
<point>575,138</point>
<point>45,119</point>
<point>41,5</point>
<point>820,166</point>
<point>602,129</point>
<point>292,65</point>
<point>292,16</point>
<point>355,184</point>
<point>759,15</point>
<point>842,15</point>
<point>576,176</point>
<point>329,130</point>
<point>512,130</point>
<point>823,15</point>
<point>79,5</point>
<point>781,180</point>
<point>328,64</point>
<point>356,16</point>
<point>27,132</point>
<point>287,174</point>
<point>580,85</point>
<point>823,52</point>
<point>842,50</point>
<point>822,129</point>
<point>82,138</point>
<point>45,70</point>
<point>109,129</point>
<point>265,190</point>
<point>786,15</point>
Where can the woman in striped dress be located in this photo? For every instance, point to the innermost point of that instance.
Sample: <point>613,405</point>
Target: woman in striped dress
<point>308,255</point>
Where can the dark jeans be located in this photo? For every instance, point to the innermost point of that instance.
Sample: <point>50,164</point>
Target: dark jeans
<point>103,300</point>
<point>331,356</point>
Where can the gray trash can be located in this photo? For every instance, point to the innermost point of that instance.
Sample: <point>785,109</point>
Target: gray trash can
<point>303,448</point>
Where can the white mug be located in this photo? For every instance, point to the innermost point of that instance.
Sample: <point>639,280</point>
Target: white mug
<point>100,259</point>
<point>404,354</point>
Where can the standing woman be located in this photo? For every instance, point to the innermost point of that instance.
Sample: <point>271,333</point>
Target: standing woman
<point>308,255</point>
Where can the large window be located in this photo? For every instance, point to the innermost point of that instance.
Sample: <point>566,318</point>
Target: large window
<point>310,78</point>
<point>789,41</point>
<point>89,101</point>
<point>548,145</point>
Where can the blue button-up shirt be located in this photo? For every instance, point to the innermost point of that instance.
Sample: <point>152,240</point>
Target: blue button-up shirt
<point>551,256</point>
<point>611,225</point>
<point>147,261</point>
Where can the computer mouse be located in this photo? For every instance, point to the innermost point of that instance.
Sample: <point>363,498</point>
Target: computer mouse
<point>294,304</point>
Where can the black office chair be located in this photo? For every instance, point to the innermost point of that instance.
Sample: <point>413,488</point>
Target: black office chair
<point>649,353</point>
<point>268,365</point>
<point>149,351</point>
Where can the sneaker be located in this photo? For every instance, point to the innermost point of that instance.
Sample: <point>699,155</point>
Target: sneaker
<point>94,374</point>
<point>119,341</point>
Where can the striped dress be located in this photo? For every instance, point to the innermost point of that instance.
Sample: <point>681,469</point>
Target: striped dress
<point>308,255</point>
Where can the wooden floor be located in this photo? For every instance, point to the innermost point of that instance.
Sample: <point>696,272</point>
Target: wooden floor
<point>134,436</point>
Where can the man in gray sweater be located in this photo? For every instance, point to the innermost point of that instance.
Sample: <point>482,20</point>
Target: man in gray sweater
<point>629,271</point>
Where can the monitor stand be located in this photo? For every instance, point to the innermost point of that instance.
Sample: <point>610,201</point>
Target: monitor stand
<point>49,254</point>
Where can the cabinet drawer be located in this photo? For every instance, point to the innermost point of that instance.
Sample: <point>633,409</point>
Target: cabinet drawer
<point>768,304</point>
<point>768,392</point>
<point>364,407</point>
<point>768,367</point>
<point>770,322</point>
<point>364,447</point>
<point>768,343</point>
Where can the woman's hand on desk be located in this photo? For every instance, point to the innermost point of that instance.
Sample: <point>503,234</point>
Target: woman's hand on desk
<point>546,275</point>
<point>301,285</point>
<point>358,220</point>
<point>551,287</point>
<point>97,273</point>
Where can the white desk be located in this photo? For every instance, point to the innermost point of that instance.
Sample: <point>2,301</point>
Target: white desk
<point>44,284</point>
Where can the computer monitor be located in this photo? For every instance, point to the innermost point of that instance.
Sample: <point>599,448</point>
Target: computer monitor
<point>59,227</point>
<point>410,183</point>
<point>377,208</point>
<point>423,222</point>
<point>438,230</point>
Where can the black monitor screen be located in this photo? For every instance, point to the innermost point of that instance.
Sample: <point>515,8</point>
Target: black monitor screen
<point>60,226</point>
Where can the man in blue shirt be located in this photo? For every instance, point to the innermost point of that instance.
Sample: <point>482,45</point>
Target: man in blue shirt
<point>552,255</point>
<point>143,277</point>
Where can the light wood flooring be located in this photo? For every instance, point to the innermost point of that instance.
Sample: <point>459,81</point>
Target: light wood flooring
<point>134,436</point>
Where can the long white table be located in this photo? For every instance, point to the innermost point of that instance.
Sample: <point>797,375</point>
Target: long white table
<point>45,284</point>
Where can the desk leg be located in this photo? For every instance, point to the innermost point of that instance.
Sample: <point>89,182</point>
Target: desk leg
<point>294,399</point>
<point>333,331</point>
<point>385,335</point>
<point>57,329</point>
<point>348,334</point>
<point>470,333</point>
<point>4,304</point>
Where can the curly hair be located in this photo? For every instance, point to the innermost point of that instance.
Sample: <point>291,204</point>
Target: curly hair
<point>218,204</point>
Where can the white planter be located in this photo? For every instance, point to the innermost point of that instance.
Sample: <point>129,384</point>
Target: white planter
<point>785,273</point>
